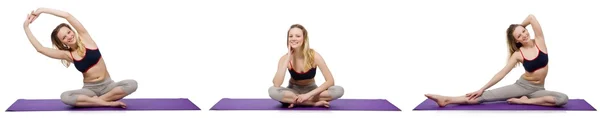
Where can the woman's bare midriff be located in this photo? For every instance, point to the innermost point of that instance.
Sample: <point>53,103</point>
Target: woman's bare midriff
<point>97,73</point>
<point>537,77</point>
<point>302,82</point>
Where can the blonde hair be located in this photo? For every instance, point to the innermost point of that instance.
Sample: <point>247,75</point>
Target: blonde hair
<point>512,43</point>
<point>61,46</point>
<point>308,53</point>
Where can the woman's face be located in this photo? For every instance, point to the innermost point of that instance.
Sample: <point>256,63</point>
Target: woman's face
<point>66,36</point>
<point>521,35</point>
<point>295,38</point>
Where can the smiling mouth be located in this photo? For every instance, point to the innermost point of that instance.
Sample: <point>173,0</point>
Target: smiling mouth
<point>294,42</point>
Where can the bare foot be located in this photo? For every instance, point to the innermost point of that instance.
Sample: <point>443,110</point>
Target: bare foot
<point>521,100</point>
<point>322,103</point>
<point>440,100</point>
<point>118,104</point>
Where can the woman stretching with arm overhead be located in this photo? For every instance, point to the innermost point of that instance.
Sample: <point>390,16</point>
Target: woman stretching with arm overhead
<point>76,46</point>
<point>301,62</point>
<point>529,89</point>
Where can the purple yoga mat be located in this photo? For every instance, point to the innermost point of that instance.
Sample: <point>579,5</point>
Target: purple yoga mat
<point>340,104</point>
<point>132,104</point>
<point>572,105</point>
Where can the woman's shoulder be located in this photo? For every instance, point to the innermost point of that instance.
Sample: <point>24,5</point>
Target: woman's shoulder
<point>316,55</point>
<point>517,55</point>
<point>312,50</point>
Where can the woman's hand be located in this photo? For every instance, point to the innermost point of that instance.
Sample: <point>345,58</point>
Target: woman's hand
<point>289,55</point>
<point>290,51</point>
<point>302,98</point>
<point>38,11</point>
<point>30,18</point>
<point>474,95</point>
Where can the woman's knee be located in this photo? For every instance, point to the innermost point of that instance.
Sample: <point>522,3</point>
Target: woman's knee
<point>275,94</point>
<point>561,99</point>
<point>336,92</point>
<point>68,98</point>
<point>129,86</point>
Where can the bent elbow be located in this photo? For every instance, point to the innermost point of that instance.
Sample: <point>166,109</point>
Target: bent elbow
<point>331,82</point>
<point>66,14</point>
<point>39,50</point>
<point>277,82</point>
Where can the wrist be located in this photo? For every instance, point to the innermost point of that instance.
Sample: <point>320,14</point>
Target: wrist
<point>40,10</point>
<point>311,93</point>
<point>43,9</point>
<point>481,89</point>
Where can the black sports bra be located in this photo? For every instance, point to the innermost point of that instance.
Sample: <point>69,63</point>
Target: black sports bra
<point>540,61</point>
<point>91,58</point>
<point>310,74</point>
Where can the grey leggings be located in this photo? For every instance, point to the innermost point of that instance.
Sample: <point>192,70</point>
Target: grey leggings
<point>277,93</point>
<point>522,88</point>
<point>98,89</point>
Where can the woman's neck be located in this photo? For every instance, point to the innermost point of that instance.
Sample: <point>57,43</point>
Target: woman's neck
<point>528,44</point>
<point>298,53</point>
<point>74,47</point>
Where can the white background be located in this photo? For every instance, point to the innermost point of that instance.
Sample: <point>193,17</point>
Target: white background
<point>208,50</point>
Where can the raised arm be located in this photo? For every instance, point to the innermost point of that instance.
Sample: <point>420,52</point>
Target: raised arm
<point>81,31</point>
<point>537,28</point>
<point>329,81</point>
<point>280,74</point>
<point>500,75</point>
<point>52,53</point>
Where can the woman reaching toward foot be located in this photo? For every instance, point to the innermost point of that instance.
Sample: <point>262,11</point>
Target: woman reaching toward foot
<point>75,45</point>
<point>301,62</point>
<point>529,89</point>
